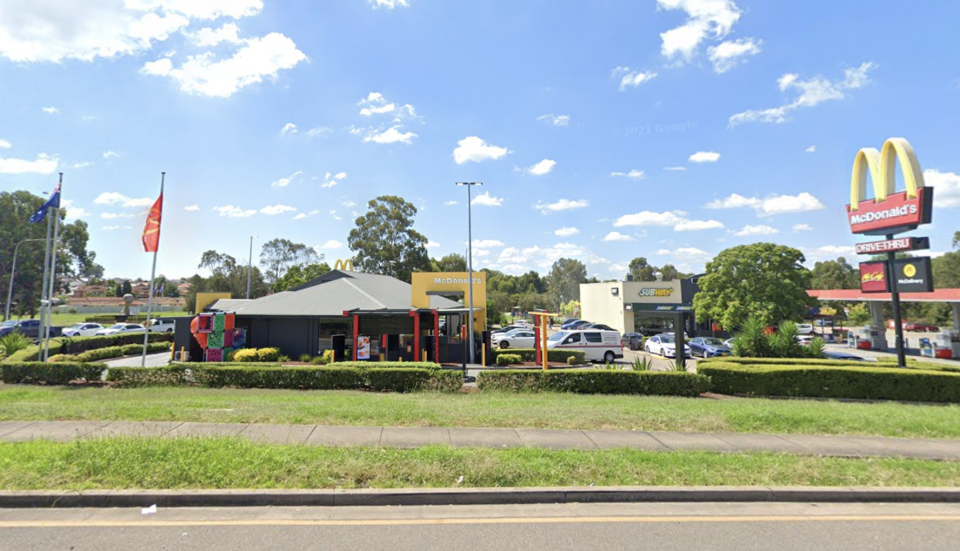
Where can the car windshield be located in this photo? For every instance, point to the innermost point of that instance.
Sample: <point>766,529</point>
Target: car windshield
<point>712,341</point>
<point>117,326</point>
<point>666,338</point>
<point>557,336</point>
<point>8,323</point>
<point>76,326</point>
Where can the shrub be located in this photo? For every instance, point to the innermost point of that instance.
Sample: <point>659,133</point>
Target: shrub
<point>305,358</point>
<point>595,381</point>
<point>231,356</point>
<point>58,358</point>
<point>642,364</point>
<point>333,378</point>
<point>128,377</point>
<point>268,354</point>
<point>246,355</point>
<point>319,360</point>
<point>507,359</point>
<point>833,381</point>
<point>530,354</point>
<point>571,360</point>
<point>76,345</point>
<point>13,343</point>
<point>100,354</point>
<point>39,373</point>
<point>131,349</point>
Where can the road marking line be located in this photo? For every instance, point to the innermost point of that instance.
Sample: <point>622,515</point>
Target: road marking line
<point>468,521</point>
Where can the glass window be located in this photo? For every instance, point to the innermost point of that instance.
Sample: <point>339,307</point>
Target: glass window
<point>573,339</point>
<point>593,336</point>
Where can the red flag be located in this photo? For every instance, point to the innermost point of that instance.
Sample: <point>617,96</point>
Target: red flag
<point>151,232</point>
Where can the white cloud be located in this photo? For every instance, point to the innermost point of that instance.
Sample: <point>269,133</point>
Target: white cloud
<point>684,252</point>
<point>561,205</point>
<point>284,182</point>
<point>704,157</point>
<point>555,120</point>
<point>486,243</point>
<point>802,227</point>
<point>52,31</point>
<point>204,75</point>
<point>340,176</point>
<point>488,200</point>
<point>617,236</point>
<point>72,212</point>
<point>698,225</point>
<point>648,218</point>
<point>729,54</point>
<point>775,204</point>
<point>675,168</point>
<point>4,144</point>
<point>541,168</point>
<point>481,253</point>
<point>449,203</point>
<point>474,149</point>
<point>376,104</point>
<point>756,230</point>
<point>331,244</point>
<point>514,260</point>
<point>319,131</point>
<point>81,165</point>
<point>566,232</point>
<point>114,228</point>
<point>811,149</point>
<point>118,199</point>
<point>705,19</point>
<point>348,203</point>
<point>634,174</point>
<point>115,215</point>
<point>946,186</point>
<point>303,215</point>
<point>207,36</point>
<point>828,252</point>
<point>111,155</point>
<point>333,214</point>
<point>192,208</point>
<point>432,245</point>
<point>288,128</point>
<point>389,4</point>
<point>231,211</point>
<point>811,92</point>
<point>630,78</point>
<point>277,209</point>
<point>51,110</point>
<point>391,135</point>
<point>331,180</point>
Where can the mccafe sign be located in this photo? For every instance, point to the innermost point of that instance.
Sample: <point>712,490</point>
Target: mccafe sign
<point>889,212</point>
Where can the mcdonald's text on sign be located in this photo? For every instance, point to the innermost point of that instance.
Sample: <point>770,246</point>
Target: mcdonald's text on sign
<point>894,245</point>
<point>897,214</point>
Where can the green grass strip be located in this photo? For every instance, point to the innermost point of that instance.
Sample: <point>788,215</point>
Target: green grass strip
<point>155,463</point>
<point>487,409</point>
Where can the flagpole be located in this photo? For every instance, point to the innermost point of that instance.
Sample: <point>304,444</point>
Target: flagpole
<point>153,273</point>
<point>53,283</point>
<point>46,275</point>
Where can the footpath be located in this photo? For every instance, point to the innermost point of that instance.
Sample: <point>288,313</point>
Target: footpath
<point>411,437</point>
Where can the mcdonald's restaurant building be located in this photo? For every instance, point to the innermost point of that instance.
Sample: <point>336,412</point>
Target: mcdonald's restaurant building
<point>370,316</point>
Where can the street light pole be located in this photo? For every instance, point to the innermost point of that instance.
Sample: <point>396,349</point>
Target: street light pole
<point>470,261</point>
<point>249,265</point>
<point>13,270</point>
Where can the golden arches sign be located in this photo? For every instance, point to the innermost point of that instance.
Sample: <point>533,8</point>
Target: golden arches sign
<point>889,212</point>
<point>345,265</point>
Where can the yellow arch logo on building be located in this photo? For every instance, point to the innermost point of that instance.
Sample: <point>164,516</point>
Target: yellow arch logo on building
<point>345,265</point>
<point>882,165</point>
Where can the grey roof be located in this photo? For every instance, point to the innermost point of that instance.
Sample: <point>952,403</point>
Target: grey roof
<point>336,292</point>
<point>226,304</point>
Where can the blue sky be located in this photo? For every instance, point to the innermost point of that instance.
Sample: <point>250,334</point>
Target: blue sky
<point>606,130</point>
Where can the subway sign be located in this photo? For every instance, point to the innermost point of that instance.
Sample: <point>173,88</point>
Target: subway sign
<point>888,212</point>
<point>894,245</point>
<point>652,292</point>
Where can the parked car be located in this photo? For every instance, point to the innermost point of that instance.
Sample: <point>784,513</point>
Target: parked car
<point>820,322</point>
<point>506,329</point>
<point>843,356</point>
<point>82,330</point>
<point>597,345</point>
<point>163,325</point>
<point>625,339</point>
<point>599,326</point>
<point>636,341</point>
<point>27,328</point>
<point>571,324</point>
<point>728,343</point>
<point>518,338</point>
<point>920,327</point>
<point>708,347</point>
<point>805,340</point>
<point>804,328</point>
<point>665,345</point>
<point>119,328</point>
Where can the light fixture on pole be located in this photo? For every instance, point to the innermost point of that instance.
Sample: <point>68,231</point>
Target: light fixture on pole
<point>13,270</point>
<point>469,185</point>
<point>250,265</point>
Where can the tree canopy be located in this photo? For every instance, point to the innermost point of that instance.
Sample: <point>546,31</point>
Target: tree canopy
<point>227,276</point>
<point>384,241</point>
<point>642,271</point>
<point>834,274</point>
<point>298,275</point>
<point>762,280</point>
<point>564,280</point>
<point>279,255</point>
<point>452,262</point>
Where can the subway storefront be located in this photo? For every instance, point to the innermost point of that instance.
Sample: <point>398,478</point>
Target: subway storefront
<point>647,307</point>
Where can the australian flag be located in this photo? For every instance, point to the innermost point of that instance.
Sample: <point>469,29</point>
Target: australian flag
<point>52,202</point>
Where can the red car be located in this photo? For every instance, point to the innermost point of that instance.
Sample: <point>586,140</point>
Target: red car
<point>919,327</point>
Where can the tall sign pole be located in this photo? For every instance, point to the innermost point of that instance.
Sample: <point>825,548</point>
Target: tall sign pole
<point>469,185</point>
<point>895,299</point>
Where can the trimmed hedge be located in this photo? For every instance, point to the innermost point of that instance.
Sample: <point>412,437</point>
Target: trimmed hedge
<point>100,354</point>
<point>358,365</point>
<point>76,345</point>
<point>128,377</point>
<point>553,355</point>
<point>507,359</point>
<point>39,373</point>
<point>595,381</point>
<point>328,378</point>
<point>831,381</point>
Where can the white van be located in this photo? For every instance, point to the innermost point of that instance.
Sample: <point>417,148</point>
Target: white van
<point>597,345</point>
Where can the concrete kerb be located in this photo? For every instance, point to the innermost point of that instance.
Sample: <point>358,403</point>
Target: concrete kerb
<point>470,496</point>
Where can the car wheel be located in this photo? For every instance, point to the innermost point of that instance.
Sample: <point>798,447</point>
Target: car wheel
<point>663,352</point>
<point>170,330</point>
<point>609,357</point>
<point>504,345</point>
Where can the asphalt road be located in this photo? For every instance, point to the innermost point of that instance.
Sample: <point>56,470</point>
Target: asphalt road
<point>661,526</point>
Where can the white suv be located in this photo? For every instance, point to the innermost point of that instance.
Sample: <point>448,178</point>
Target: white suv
<point>163,325</point>
<point>804,329</point>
